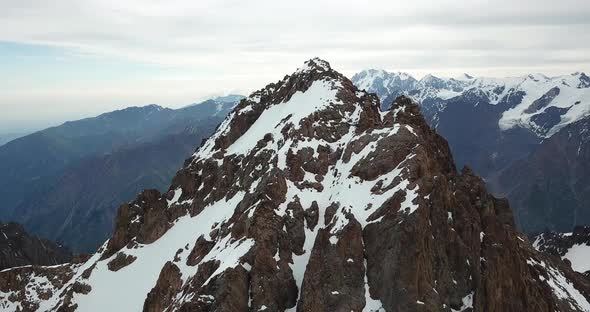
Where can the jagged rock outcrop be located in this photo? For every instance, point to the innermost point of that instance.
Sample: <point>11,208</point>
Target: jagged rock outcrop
<point>19,248</point>
<point>308,197</point>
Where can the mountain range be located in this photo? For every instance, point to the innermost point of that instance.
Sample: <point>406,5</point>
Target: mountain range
<point>509,130</point>
<point>65,183</point>
<point>311,197</point>
<point>535,102</point>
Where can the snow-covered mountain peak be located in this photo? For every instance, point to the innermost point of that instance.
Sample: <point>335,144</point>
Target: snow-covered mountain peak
<point>383,74</point>
<point>548,103</point>
<point>309,197</point>
<point>309,91</point>
<point>383,83</point>
<point>429,78</point>
<point>371,77</point>
<point>315,64</point>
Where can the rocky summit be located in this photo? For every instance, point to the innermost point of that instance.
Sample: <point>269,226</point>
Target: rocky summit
<point>309,197</point>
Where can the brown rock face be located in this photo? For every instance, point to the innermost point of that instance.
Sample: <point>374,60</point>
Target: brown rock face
<point>334,279</point>
<point>120,261</point>
<point>169,283</point>
<point>309,198</point>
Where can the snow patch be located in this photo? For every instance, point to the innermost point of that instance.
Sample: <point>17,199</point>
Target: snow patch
<point>579,256</point>
<point>467,303</point>
<point>175,197</point>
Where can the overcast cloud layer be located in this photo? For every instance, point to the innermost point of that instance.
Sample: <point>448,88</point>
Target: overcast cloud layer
<point>97,55</point>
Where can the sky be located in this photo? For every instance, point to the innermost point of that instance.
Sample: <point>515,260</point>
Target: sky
<point>68,59</point>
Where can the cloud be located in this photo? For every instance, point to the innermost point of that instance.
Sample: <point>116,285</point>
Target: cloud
<point>241,45</point>
<point>229,33</point>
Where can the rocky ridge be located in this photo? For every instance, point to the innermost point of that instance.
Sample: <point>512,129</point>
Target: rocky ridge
<point>308,197</point>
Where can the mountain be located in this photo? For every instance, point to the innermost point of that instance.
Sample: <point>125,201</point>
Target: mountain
<point>573,247</point>
<point>550,188</point>
<point>7,137</point>
<point>309,197</point>
<point>65,183</point>
<point>386,85</point>
<point>491,122</point>
<point>19,248</point>
<point>81,203</point>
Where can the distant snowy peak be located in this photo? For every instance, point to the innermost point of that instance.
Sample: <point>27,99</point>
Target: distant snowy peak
<point>535,101</point>
<point>548,104</point>
<point>370,74</point>
<point>431,86</point>
<point>430,79</point>
<point>384,83</point>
